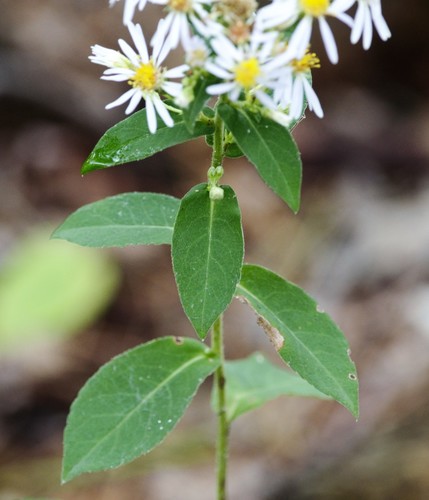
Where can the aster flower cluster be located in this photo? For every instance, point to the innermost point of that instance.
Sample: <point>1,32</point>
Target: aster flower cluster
<point>252,56</point>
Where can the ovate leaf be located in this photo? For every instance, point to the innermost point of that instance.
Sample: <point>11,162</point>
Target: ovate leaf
<point>270,147</point>
<point>130,140</point>
<point>253,381</point>
<point>207,251</point>
<point>125,219</point>
<point>305,337</point>
<point>132,403</point>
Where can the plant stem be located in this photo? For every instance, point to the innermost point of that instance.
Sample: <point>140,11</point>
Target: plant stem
<point>218,348</point>
<point>222,422</point>
<point>217,156</point>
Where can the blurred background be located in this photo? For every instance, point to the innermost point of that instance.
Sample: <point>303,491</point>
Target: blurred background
<point>360,245</point>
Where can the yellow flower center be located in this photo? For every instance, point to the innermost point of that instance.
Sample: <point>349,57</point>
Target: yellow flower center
<point>180,5</point>
<point>309,61</point>
<point>247,72</point>
<point>314,8</point>
<point>146,77</point>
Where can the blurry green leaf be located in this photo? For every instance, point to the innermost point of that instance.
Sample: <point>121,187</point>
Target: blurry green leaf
<point>270,147</point>
<point>125,219</point>
<point>130,140</point>
<point>305,337</point>
<point>51,289</point>
<point>207,252</point>
<point>253,381</point>
<point>132,403</point>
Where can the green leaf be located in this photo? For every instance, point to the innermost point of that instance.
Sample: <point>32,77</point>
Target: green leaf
<point>304,336</point>
<point>130,140</point>
<point>125,219</point>
<point>270,147</point>
<point>253,381</point>
<point>207,251</point>
<point>190,114</point>
<point>132,403</point>
<point>51,289</point>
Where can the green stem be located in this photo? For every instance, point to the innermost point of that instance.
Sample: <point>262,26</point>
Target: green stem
<point>222,422</point>
<point>218,348</point>
<point>217,156</point>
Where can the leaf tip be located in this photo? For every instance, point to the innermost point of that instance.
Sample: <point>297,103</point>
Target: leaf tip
<point>86,167</point>
<point>67,474</point>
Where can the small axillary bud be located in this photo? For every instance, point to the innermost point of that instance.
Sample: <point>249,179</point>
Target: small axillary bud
<point>213,175</point>
<point>216,193</point>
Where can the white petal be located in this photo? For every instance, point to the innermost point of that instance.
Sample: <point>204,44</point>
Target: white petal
<point>225,48</point>
<point>235,93</point>
<point>345,18</point>
<point>151,115</point>
<point>219,72</point>
<point>139,41</point>
<point>172,88</point>
<point>358,23</point>
<point>312,99</point>
<point>185,34</point>
<point>129,52</point>
<point>265,100</point>
<point>134,102</point>
<point>328,40</point>
<point>367,30</point>
<point>115,78</point>
<point>277,13</point>
<point>297,102</point>
<point>162,111</point>
<point>158,37</point>
<point>220,88</point>
<point>123,98</point>
<point>174,35</point>
<point>379,21</point>
<point>177,72</point>
<point>158,42</point>
<point>341,5</point>
<point>119,71</point>
<point>301,37</point>
<point>130,6</point>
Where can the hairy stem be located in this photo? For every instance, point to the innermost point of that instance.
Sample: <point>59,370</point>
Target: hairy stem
<point>222,422</point>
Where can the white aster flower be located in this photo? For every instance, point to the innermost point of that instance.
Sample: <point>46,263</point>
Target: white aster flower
<point>368,12</point>
<point>176,26</point>
<point>297,88</point>
<point>129,8</point>
<point>248,68</point>
<point>304,12</point>
<point>145,75</point>
<point>196,52</point>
